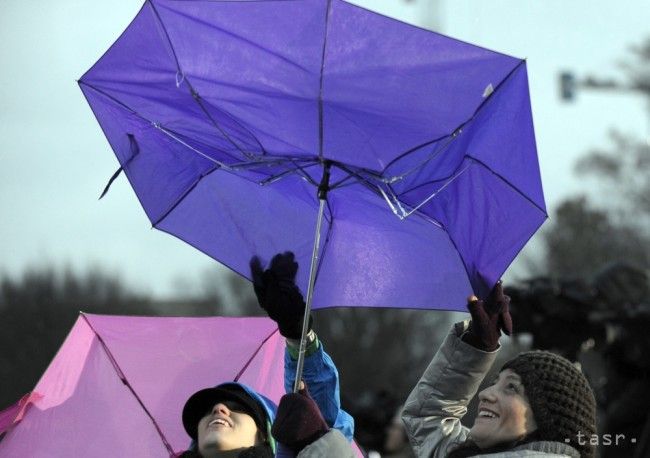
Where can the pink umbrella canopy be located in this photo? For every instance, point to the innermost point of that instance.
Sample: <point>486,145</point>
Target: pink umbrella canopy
<point>118,384</point>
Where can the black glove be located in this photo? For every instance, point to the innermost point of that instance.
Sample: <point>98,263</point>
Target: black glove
<point>299,421</point>
<point>278,294</point>
<point>489,318</point>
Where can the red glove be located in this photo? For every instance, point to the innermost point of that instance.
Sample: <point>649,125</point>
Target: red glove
<point>299,421</point>
<point>489,318</point>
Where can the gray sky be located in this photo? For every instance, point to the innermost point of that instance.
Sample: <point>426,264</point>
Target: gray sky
<point>56,161</point>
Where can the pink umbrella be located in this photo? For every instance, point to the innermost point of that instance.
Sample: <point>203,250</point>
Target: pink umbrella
<point>118,384</point>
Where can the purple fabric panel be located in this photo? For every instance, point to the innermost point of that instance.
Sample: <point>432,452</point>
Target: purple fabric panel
<point>139,60</point>
<point>503,138</point>
<point>389,86</point>
<point>165,360</point>
<point>488,221</point>
<point>162,170</point>
<point>98,416</point>
<point>429,167</point>
<point>259,61</point>
<point>140,72</point>
<point>375,259</point>
<point>232,219</point>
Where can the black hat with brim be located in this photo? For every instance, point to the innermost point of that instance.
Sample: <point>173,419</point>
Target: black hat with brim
<point>202,402</point>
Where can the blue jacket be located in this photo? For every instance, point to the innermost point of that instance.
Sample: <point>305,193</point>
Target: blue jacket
<point>322,379</point>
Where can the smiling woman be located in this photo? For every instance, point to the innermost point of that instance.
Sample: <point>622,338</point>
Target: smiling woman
<point>539,404</point>
<point>227,426</point>
<point>504,413</point>
<point>230,419</point>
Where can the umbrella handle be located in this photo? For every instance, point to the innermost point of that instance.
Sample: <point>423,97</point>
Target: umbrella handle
<point>310,294</point>
<point>323,188</point>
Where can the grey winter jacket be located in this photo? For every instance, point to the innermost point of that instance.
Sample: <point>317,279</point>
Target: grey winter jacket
<point>333,444</point>
<point>434,408</point>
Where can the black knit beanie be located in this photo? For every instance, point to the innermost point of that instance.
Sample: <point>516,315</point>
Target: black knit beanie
<point>562,401</point>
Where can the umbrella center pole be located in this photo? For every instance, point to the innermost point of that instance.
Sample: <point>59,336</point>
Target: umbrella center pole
<point>323,188</point>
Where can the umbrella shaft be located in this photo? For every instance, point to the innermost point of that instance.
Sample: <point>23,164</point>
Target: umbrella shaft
<point>310,294</point>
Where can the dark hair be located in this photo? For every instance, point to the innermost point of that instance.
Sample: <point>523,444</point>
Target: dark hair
<point>257,451</point>
<point>190,454</point>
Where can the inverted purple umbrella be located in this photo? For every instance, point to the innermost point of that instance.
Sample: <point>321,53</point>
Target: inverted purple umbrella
<point>241,124</point>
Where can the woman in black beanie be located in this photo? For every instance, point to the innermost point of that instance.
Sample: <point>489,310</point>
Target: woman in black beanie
<point>539,405</point>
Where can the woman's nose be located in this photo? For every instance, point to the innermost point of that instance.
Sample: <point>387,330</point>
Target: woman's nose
<point>487,394</point>
<point>220,408</point>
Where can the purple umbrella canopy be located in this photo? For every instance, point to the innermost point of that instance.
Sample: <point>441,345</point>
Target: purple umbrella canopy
<point>225,115</point>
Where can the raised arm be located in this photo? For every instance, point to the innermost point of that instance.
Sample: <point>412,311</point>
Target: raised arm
<point>281,298</point>
<point>434,408</point>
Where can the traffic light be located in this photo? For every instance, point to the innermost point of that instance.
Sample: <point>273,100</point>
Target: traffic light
<point>567,86</point>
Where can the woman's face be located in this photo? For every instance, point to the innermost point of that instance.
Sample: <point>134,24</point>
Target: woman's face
<point>504,414</point>
<point>226,427</point>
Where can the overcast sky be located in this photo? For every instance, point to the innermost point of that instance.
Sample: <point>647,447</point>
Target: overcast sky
<point>56,161</point>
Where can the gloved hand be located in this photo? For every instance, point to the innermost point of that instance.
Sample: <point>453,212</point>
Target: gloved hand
<point>299,421</point>
<point>278,294</point>
<point>489,318</point>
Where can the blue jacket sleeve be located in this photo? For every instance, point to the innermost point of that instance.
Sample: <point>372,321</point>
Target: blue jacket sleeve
<point>322,379</point>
